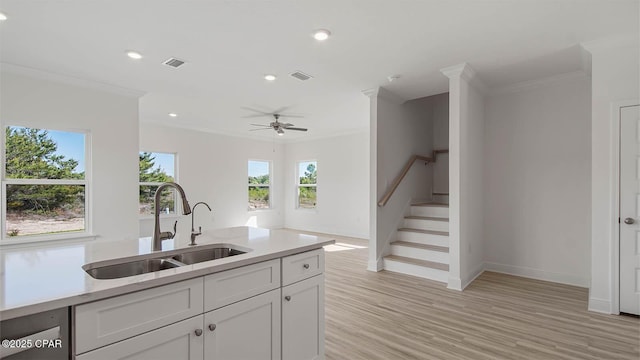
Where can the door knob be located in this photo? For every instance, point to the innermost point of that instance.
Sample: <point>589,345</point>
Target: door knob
<point>288,298</point>
<point>198,332</point>
<point>629,221</point>
<point>212,327</point>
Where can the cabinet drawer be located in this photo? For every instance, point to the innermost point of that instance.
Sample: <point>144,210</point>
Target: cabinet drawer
<point>107,321</point>
<point>302,266</point>
<point>176,342</point>
<point>230,286</point>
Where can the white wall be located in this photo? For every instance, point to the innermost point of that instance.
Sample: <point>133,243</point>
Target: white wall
<point>440,111</point>
<point>343,185</point>
<point>401,130</point>
<point>537,181</point>
<point>615,78</point>
<point>213,168</point>
<point>110,115</point>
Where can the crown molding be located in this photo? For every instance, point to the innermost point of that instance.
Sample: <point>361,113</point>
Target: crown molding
<point>69,80</point>
<point>465,72</point>
<point>532,84</point>
<point>627,40</point>
<point>382,93</point>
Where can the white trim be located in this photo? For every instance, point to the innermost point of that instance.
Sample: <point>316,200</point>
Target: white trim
<point>536,83</point>
<point>69,80</point>
<point>473,275</point>
<point>47,238</point>
<point>376,265</point>
<point>614,196</point>
<point>454,283</point>
<point>537,274</point>
<point>600,306</point>
<point>626,40</point>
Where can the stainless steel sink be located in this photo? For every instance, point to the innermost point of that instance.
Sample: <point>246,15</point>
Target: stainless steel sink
<point>194,257</point>
<point>163,261</point>
<point>131,268</point>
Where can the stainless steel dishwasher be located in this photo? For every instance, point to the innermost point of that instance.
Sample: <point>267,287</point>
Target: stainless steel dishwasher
<point>42,336</point>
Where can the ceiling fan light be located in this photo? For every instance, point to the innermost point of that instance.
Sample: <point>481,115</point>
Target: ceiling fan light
<point>321,34</point>
<point>280,132</point>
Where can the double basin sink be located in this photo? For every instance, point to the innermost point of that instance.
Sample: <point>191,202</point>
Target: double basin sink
<point>169,260</point>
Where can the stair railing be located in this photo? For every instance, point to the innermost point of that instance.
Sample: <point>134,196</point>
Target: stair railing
<point>398,179</point>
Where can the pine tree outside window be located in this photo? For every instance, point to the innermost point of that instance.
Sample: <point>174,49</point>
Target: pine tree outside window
<point>157,168</point>
<point>45,184</point>
<point>307,178</point>
<point>259,184</point>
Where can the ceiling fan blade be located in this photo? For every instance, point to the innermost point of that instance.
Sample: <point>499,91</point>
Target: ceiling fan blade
<point>282,109</point>
<point>291,116</point>
<point>260,125</point>
<point>267,128</point>
<point>256,116</point>
<point>286,125</point>
<point>296,129</point>
<point>257,111</point>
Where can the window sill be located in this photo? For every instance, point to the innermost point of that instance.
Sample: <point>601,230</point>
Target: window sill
<point>162,216</point>
<point>35,239</point>
<point>260,210</point>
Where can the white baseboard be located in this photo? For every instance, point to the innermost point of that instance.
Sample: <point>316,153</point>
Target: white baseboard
<point>600,305</point>
<point>537,274</point>
<point>454,284</point>
<point>473,275</point>
<point>375,265</point>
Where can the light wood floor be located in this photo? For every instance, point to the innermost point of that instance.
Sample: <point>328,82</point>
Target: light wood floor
<point>392,316</point>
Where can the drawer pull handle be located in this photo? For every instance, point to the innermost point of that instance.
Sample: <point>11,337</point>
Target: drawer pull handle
<point>306,266</point>
<point>198,332</point>
<point>288,298</point>
<point>212,327</point>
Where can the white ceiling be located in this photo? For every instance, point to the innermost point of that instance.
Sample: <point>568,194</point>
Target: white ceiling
<point>230,44</point>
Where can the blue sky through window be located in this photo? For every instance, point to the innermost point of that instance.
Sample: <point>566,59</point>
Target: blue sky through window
<point>165,162</point>
<point>70,145</point>
<point>258,168</point>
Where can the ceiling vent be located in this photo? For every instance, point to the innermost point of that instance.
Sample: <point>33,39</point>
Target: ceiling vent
<point>301,76</point>
<point>174,63</point>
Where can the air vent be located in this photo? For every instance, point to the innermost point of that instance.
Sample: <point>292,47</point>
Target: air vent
<point>301,76</point>
<point>174,63</point>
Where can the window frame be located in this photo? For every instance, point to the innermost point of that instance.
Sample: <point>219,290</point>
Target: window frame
<point>177,204</point>
<point>261,185</point>
<point>298,186</point>
<point>86,182</point>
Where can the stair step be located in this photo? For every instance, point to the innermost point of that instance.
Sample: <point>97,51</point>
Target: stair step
<point>425,237</point>
<point>426,223</point>
<point>443,249</point>
<point>440,193</point>
<point>439,210</point>
<point>436,254</point>
<point>425,269</point>
<point>431,204</point>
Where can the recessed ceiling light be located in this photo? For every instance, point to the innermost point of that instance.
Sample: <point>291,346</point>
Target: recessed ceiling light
<point>134,54</point>
<point>270,77</point>
<point>3,16</point>
<point>173,114</point>
<point>321,34</point>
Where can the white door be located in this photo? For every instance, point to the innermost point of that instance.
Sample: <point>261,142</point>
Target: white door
<point>630,210</point>
<point>303,320</point>
<point>246,330</point>
<point>180,341</point>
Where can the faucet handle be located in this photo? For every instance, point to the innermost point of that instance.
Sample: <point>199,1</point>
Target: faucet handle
<point>200,229</point>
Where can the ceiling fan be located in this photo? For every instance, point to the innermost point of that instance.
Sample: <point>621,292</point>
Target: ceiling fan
<point>277,126</point>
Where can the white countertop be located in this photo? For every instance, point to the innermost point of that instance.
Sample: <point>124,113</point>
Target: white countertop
<point>44,277</point>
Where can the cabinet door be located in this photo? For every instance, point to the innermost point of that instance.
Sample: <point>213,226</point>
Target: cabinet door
<point>303,320</point>
<point>246,330</point>
<point>173,342</point>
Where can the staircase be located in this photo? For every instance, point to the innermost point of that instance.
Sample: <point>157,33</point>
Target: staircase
<point>422,246</point>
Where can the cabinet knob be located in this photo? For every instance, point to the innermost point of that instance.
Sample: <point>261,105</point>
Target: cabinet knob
<point>212,327</point>
<point>198,332</point>
<point>306,266</point>
<point>288,298</point>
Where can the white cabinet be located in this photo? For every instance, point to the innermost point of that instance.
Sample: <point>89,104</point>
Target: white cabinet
<point>238,314</point>
<point>246,330</point>
<point>173,342</point>
<point>303,320</point>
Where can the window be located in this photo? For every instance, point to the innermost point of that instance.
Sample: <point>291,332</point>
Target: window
<point>45,183</point>
<point>307,178</point>
<point>259,184</point>
<point>157,168</point>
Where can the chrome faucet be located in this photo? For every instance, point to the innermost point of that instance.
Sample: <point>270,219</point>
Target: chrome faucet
<point>158,236</point>
<point>193,230</point>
